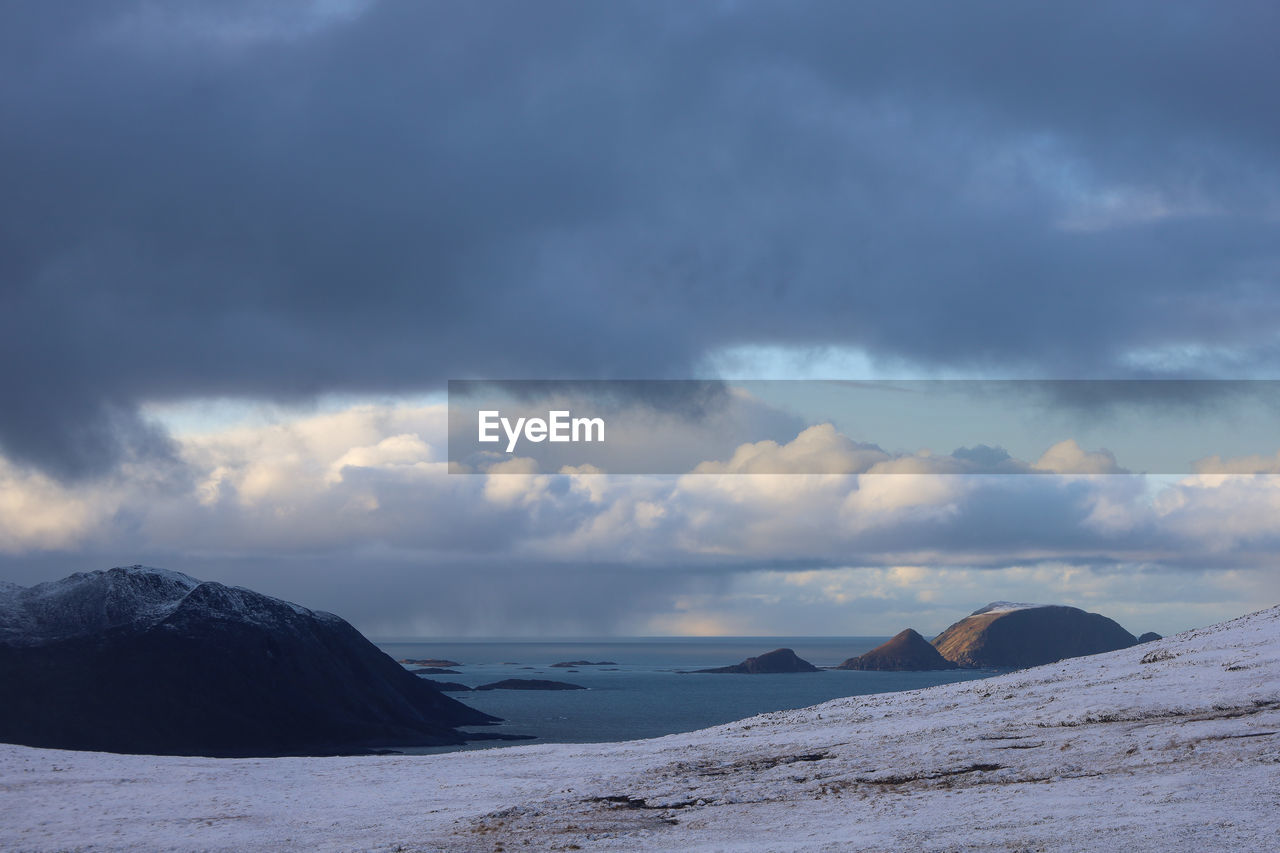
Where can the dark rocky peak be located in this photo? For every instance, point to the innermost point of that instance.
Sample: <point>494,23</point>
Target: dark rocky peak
<point>906,652</point>
<point>778,660</point>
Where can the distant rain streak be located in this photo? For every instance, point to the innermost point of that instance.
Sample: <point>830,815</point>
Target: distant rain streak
<point>559,425</point>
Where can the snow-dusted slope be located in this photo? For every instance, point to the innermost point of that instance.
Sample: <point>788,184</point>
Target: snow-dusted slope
<point>1172,745</point>
<point>1006,607</point>
<point>88,603</point>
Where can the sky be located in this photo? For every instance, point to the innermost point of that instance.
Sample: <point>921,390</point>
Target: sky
<point>244,245</point>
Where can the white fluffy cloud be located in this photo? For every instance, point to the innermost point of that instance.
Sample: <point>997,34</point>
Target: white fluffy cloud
<point>816,450</point>
<point>1068,457</point>
<point>740,543</point>
<point>36,513</point>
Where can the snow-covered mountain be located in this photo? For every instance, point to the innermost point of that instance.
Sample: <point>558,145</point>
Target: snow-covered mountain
<point>1173,745</point>
<point>88,603</point>
<point>137,659</point>
<point>1005,607</point>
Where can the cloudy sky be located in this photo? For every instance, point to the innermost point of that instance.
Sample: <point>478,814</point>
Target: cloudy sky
<point>243,245</point>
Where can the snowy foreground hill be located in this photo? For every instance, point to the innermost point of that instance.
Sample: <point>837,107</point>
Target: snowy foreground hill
<point>1171,745</point>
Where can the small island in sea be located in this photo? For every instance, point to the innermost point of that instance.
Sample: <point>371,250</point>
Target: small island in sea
<point>529,684</point>
<point>572,663</point>
<point>776,661</point>
<point>432,662</point>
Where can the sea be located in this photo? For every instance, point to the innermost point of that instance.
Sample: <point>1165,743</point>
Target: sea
<point>646,690</point>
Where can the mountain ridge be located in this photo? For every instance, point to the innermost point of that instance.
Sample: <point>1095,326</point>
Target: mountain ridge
<point>173,665</point>
<point>1016,636</point>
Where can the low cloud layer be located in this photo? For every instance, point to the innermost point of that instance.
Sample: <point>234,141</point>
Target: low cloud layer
<point>352,510</point>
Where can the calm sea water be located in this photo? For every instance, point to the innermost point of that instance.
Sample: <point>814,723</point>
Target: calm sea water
<point>645,694</point>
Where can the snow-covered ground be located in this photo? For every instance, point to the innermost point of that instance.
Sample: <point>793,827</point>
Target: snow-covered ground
<point>1172,745</point>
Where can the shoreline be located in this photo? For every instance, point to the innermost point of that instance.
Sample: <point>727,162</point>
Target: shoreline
<point>1098,752</point>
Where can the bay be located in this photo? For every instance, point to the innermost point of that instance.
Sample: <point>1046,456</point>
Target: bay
<point>646,690</point>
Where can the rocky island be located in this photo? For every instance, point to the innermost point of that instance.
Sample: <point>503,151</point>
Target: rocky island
<point>564,664</point>
<point>530,684</point>
<point>1008,635</point>
<point>440,662</point>
<point>907,652</point>
<point>778,660</point>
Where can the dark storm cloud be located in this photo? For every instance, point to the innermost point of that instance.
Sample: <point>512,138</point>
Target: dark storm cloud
<point>1162,397</point>
<point>237,200</point>
<point>691,399</point>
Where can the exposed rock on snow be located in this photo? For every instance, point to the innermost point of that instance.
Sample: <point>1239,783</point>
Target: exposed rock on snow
<point>1007,635</point>
<point>1096,753</point>
<point>146,660</point>
<point>1005,607</point>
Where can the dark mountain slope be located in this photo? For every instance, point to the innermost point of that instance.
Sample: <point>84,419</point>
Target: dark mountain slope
<point>906,652</point>
<point>151,661</point>
<point>1020,635</point>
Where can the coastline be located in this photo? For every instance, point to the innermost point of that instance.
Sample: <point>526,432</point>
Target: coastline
<point>1103,752</point>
